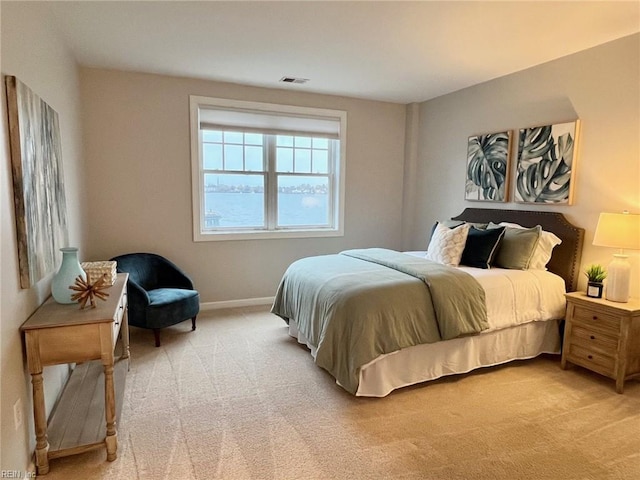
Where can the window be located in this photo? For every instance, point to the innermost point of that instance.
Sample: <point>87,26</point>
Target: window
<point>266,171</point>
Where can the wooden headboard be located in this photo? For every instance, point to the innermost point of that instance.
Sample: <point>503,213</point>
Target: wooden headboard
<point>565,261</point>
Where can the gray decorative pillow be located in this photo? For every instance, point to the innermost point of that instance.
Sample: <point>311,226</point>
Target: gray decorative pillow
<point>542,254</point>
<point>517,247</point>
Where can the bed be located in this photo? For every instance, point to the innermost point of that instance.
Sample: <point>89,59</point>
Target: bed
<point>378,320</point>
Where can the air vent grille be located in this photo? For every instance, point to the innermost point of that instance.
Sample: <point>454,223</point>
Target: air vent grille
<point>294,80</point>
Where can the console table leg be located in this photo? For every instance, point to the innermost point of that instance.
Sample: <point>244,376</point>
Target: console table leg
<point>110,413</point>
<point>40,421</point>
<point>112,447</point>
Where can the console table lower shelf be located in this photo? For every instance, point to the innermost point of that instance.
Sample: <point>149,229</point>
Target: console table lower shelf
<point>77,422</point>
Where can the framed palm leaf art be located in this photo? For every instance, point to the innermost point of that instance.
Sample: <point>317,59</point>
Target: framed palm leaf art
<point>488,167</point>
<point>546,164</point>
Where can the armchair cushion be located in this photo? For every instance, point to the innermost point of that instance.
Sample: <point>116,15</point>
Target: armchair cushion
<point>167,304</point>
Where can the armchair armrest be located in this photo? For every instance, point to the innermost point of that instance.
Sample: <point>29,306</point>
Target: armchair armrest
<point>137,303</point>
<point>136,293</point>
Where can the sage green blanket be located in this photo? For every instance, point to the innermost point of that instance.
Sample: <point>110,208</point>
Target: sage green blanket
<point>359,304</point>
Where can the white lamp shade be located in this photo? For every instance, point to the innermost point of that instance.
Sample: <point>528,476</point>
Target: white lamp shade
<point>618,230</point>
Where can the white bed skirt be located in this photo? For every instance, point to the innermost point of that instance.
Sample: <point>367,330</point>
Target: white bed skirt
<point>426,362</point>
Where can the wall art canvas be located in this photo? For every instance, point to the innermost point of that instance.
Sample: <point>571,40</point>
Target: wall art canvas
<point>488,167</point>
<point>38,182</point>
<point>546,164</point>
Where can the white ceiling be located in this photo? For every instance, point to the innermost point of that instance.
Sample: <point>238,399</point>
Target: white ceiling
<point>393,51</point>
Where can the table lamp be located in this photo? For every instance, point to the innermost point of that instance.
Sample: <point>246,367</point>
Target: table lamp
<point>622,231</point>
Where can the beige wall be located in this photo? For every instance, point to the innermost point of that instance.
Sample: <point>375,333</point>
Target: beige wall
<point>138,159</point>
<point>599,86</point>
<point>33,53</point>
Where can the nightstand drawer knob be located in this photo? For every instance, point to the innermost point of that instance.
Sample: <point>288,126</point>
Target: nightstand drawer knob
<point>590,357</point>
<point>592,337</point>
<point>595,317</point>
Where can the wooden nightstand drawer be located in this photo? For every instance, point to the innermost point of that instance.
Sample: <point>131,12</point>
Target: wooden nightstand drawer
<point>594,319</point>
<point>594,340</point>
<point>603,364</point>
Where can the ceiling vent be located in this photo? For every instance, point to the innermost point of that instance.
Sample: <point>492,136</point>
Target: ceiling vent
<point>294,80</point>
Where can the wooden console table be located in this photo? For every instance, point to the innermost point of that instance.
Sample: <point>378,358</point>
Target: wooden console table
<point>58,334</point>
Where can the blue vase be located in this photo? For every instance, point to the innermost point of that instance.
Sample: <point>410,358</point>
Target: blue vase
<point>66,276</point>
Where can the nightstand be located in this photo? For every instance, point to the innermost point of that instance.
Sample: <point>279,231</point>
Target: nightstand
<point>603,336</point>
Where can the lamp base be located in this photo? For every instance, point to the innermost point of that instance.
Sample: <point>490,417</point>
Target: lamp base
<point>618,279</point>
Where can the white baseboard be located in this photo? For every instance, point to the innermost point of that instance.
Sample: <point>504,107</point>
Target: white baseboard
<point>245,302</point>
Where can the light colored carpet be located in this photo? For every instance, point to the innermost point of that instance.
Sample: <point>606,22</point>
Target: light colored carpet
<point>239,399</point>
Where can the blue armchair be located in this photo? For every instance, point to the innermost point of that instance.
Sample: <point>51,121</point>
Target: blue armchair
<point>159,293</point>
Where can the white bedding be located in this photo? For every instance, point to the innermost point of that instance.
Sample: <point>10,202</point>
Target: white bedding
<point>523,307</point>
<point>515,297</point>
<point>460,355</point>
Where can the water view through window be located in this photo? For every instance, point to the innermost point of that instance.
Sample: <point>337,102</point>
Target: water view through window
<point>237,201</point>
<point>237,169</point>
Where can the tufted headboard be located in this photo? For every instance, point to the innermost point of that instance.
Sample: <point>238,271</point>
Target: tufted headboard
<point>565,261</point>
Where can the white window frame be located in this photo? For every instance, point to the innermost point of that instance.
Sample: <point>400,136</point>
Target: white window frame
<point>336,210</point>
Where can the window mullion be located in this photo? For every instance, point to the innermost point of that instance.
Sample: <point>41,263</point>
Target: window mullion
<point>271,190</point>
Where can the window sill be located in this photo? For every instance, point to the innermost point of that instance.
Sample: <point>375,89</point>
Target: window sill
<point>264,235</point>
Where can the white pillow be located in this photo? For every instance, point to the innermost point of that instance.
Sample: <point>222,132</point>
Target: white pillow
<point>544,249</point>
<point>447,244</point>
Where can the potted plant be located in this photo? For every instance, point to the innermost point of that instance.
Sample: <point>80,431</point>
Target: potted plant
<point>595,275</point>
